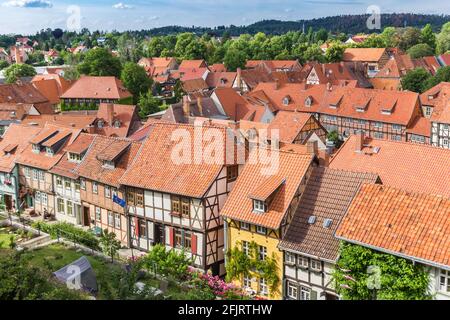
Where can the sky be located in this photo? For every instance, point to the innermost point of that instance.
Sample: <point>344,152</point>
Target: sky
<point>29,16</point>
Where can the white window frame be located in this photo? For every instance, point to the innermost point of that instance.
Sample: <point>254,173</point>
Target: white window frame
<point>263,288</point>
<point>71,212</point>
<point>292,290</point>
<point>259,206</point>
<point>302,262</point>
<point>246,247</point>
<point>35,174</point>
<point>305,293</point>
<point>59,205</point>
<point>245,225</point>
<point>316,265</point>
<point>44,198</point>
<point>247,282</point>
<point>444,281</point>
<point>110,219</point>
<point>98,214</point>
<point>290,258</point>
<point>396,127</point>
<point>94,187</point>
<point>117,221</point>
<point>108,192</point>
<point>262,253</point>
<point>261,230</point>
<point>37,197</point>
<point>27,172</point>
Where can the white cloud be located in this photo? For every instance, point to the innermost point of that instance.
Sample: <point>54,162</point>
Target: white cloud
<point>121,5</point>
<point>28,4</point>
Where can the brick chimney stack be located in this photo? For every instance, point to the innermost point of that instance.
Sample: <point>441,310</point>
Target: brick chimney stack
<point>239,78</point>
<point>359,141</point>
<point>312,147</point>
<point>200,105</point>
<point>186,106</point>
<point>110,113</point>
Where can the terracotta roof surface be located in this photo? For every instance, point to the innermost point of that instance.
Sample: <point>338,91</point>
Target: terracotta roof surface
<point>410,166</point>
<point>21,93</point>
<point>14,141</point>
<point>292,166</point>
<point>97,88</point>
<point>52,86</point>
<point>420,126</point>
<point>327,195</point>
<point>92,168</point>
<point>289,124</point>
<point>125,114</point>
<point>412,225</point>
<point>440,101</point>
<point>79,121</point>
<point>185,177</point>
<point>234,105</point>
<point>267,188</point>
<point>192,64</point>
<point>363,54</point>
<point>220,79</point>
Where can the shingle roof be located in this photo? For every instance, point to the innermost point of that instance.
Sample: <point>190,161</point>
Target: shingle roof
<point>21,93</point>
<point>363,54</point>
<point>18,136</point>
<point>92,167</point>
<point>327,195</point>
<point>97,88</point>
<point>289,124</point>
<point>411,225</point>
<point>440,101</point>
<point>410,166</point>
<point>156,169</point>
<point>292,166</point>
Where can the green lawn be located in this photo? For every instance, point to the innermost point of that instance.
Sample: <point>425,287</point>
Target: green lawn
<point>4,240</point>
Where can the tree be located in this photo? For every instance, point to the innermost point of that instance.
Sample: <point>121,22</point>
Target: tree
<point>334,52</point>
<point>109,244</point>
<point>100,62</point>
<point>389,36</point>
<point>420,50</point>
<point>168,263</point>
<point>234,59</point>
<point>416,80</point>
<point>442,75</point>
<point>443,39</point>
<point>314,53</point>
<point>365,274</point>
<point>321,35</point>
<point>428,37</point>
<point>374,41</point>
<point>148,104</point>
<point>135,79</point>
<point>409,37</point>
<point>3,64</point>
<point>16,71</point>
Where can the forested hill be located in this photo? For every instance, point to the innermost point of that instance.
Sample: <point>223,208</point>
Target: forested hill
<point>352,24</point>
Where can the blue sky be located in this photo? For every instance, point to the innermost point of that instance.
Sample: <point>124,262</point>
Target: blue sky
<point>28,16</point>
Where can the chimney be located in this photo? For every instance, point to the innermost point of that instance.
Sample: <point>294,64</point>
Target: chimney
<point>200,105</point>
<point>17,55</point>
<point>186,106</point>
<point>110,113</point>
<point>312,147</point>
<point>359,141</point>
<point>324,158</point>
<point>277,84</point>
<point>329,86</point>
<point>239,78</point>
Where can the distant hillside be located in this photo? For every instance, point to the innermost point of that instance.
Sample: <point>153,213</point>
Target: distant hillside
<point>350,24</point>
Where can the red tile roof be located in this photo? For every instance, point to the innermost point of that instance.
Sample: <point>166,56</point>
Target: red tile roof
<point>21,93</point>
<point>192,64</point>
<point>363,54</point>
<point>289,124</point>
<point>52,86</point>
<point>410,225</point>
<point>156,156</point>
<point>440,101</point>
<point>218,67</point>
<point>97,88</point>
<point>233,104</point>
<point>75,120</point>
<point>14,141</point>
<point>125,114</point>
<point>220,79</point>
<point>93,168</point>
<point>292,166</point>
<point>420,126</point>
<point>410,166</point>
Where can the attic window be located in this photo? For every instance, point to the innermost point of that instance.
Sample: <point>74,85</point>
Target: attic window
<point>116,124</point>
<point>108,164</point>
<point>259,206</point>
<point>360,109</point>
<point>327,223</point>
<point>308,102</point>
<point>36,148</point>
<point>74,157</point>
<point>311,219</point>
<point>386,112</point>
<point>100,124</point>
<point>286,100</point>
<point>49,151</point>
<point>12,114</point>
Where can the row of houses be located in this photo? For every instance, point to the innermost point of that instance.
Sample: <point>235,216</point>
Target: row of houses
<point>295,214</point>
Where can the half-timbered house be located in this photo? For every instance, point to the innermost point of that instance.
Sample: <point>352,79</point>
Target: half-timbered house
<point>176,202</point>
<point>260,208</point>
<point>310,248</point>
<point>105,162</point>
<point>43,152</point>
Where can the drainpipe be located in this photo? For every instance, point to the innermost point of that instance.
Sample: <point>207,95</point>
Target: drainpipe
<point>225,239</point>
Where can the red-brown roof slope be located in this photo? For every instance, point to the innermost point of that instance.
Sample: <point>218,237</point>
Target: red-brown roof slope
<point>97,88</point>
<point>289,124</point>
<point>155,168</point>
<point>233,104</point>
<point>14,141</point>
<point>52,86</point>
<point>410,166</point>
<point>21,93</point>
<point>128,121</point>
<point>438,97</point>
<point>65,167</point>
<point>75,120</point>
<point>409,225</point>
<point>363,54</point>
<point>192,64</point>
<point>93,168</point>
<point>41,160</point>
<point>327,196</point>
<point>292,167</point>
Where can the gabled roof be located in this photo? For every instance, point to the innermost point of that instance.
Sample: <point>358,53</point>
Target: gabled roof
<point>14,141</point>
<point>440,101</point>
<point>410,166</point>
<point>410,225</point>
<point>194,85</point>
<point>327,195</point>
<point>234,105</point>
<point>420,126</point>
<point>65,167</point>
<point>156,169</point>
<point>292,166</point>
<point>273,65</point>
<point>363,54</point>
<point>220,79</point>
<point>289,124</point>
<point>218,67</point>
<point>21,93</point>
<point>90,87</point>
<point>125,114</point>
<point>267,188</point>
<point>175,113</point>
<point>92,167</point>
<point>192,64</point>
<point>41,160</point>
<point>52,86</point>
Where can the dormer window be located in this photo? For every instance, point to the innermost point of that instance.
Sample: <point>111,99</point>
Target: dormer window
<point>286,100</point>
<point>428,111</point>
<point>36,148</point>
<point>100,124</point>
<point>116,124</point>
<point>259,206</point>
<point>360,109</point>
<point>74,157</point>
<point>386,112</point>
<point>49,151</point>
<point>109,164</point>
<point>308,101</point>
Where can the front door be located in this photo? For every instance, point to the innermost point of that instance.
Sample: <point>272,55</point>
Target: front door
<point>86,217</point>
<point>8,202</point>
<point>159,234</point>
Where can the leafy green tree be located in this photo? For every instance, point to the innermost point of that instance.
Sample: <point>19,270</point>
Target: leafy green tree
<point>148,104</point>
<point>169,263</point>
<point>3,64</point>
<point>321,35</point>
<point>365,274</point>
<point>416,80</point>
<point>409,37</point>
<point>314,53</point>
<point>135,79</point>
<point>234,59</point>
<point>334,52</point>
<point>16,71</point>
<point>183,41</point>
<point>420,50</point>
<point>374,41</point>
<point>443,39</point>
<point>100,62</point>
<point>428,37</point>
<point>109,244</point>
<point>442,75</point>
<point>389,36</point>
